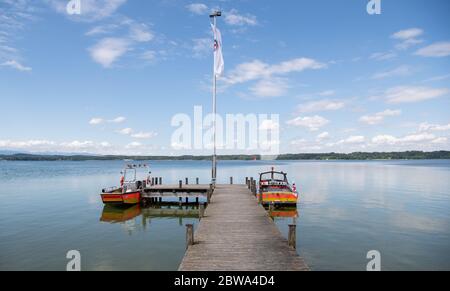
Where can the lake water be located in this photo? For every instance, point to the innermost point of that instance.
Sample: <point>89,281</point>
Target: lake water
<point>400,208</point>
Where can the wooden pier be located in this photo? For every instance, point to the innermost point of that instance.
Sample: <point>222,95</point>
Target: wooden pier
<point>236,234</point>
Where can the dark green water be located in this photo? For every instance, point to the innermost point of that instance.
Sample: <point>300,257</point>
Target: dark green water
<point>401,209</point>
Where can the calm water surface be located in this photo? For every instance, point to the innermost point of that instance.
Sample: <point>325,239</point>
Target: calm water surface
<point>400,208</point>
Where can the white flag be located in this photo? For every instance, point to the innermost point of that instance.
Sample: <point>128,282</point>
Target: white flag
<point>219,64</point>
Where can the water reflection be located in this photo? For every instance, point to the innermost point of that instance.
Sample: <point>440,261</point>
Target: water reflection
<point>284,213</point>
<point>118,214</point>
<point>126,215</point>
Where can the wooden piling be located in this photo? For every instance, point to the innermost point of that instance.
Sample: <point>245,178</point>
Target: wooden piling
<point>187,181</point>
<point>197,181</point>
<point>180,183</point>
<point>292,238</point>
<point>201,211</point>
<point>160,180</point>
<point>189,235</point>
<point>231,180</point>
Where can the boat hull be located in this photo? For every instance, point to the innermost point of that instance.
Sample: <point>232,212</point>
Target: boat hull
<point>279,198</point>
<point>131,198</point>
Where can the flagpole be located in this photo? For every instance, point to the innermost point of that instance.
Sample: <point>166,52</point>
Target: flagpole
<point>214,105</point>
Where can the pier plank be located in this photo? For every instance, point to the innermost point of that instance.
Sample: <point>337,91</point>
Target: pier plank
<point>236,234</point>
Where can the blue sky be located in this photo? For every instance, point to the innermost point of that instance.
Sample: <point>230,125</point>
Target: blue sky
<point>110,80</point>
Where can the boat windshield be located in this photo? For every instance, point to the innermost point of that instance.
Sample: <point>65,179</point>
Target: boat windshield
<point>277,189</point>
<point>272,176</point>
<point>130,175</point>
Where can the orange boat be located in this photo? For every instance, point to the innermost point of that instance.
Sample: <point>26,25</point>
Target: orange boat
<point>274,189</point>
<point>130,190</point>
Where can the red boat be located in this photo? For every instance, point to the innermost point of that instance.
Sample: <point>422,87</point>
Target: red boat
<point>130,189</point>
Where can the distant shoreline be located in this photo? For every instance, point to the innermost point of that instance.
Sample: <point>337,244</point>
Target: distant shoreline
<point>357,156</point>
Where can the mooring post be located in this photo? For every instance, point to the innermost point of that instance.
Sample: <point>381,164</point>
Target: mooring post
<point>153,181</point>
<point>197,181</point>
<point>160,180</point>
<point>246,181</point>
<point>187,181</point>
<point>209,193</point>
<point>251,183</point>
<point>180,183</point>
<point>180,201</point>
<point>196,200</point>
<point>259,195</point>
<point>187,200</point>
<point>231,180</point>
<point>189,235</point>
<point>201,211</point>
<point>292,236</point>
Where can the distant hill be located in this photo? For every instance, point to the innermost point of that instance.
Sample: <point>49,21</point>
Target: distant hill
<point>410,155</point>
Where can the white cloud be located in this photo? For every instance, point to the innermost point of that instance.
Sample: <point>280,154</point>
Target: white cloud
<point>8,144</point>
<point>321,105</point>
<point>16,65</point>
<point>436,50</point>
<point>144,135</point>
<point>126,131</point>
<point>15,17</point>
<point>408,33</point>
<point>197,8</point>
<point>433,127</point>
<point>383,56</point>
<point>397,72</point>
<point>259,70</point>
<point>269,125</point>
<point>91,10</point>
<point>379,117</point>
<point>356,139</point>
<point>440,140</point>
<point>384,139</point>
<point>149,55</point>
<point>266,88</point>
<point>408,38</point>
<point>134,145</point>
<point>108,50</point>
<point>46,145</point>
<point>406,140</point>
<point>141,33</point>
<point>96,121</point>
<point>327,93</point>
<point>323,136</point>
<point>408,43</point>
<point>119,119</point>
<point>202,47</point>
<point>269,84</point>
<point>77,146</point>
<point>101,29</point>
<point>234,18</point>
<point>313,123</point>
<point>409,94</point>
